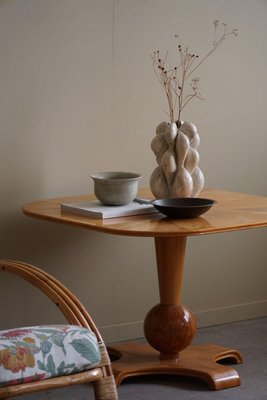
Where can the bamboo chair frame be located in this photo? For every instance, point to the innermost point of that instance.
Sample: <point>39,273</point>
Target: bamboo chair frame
<point>75,313</point>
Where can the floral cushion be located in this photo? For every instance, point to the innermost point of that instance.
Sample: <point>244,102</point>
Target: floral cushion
<point>41,352</point>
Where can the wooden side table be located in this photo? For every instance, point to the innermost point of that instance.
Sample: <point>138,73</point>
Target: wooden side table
<point>169,326</point>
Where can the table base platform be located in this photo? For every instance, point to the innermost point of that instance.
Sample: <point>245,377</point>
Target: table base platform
<point>200,361</point>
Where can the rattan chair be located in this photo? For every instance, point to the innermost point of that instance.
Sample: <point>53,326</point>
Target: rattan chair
<point>101,375</point>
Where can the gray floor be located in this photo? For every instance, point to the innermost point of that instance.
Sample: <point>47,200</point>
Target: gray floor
<point>249,337</point>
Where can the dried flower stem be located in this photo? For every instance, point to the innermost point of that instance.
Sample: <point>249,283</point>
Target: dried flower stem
<point>173,80</point>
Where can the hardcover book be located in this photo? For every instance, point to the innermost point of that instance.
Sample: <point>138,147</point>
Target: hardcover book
<point>94,209</point>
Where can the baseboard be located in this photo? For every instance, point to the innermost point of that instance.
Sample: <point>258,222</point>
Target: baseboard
<point>121,332</point>
<point>237,312</point>
<point>209,317</point>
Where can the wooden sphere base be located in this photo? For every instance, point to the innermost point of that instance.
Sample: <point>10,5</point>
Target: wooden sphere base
<point>169,329</point>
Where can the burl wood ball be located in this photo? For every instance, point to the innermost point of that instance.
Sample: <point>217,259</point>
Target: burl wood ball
<point>169,328</point>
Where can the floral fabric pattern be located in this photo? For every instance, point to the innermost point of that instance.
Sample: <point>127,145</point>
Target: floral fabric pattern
<point>41,352</point>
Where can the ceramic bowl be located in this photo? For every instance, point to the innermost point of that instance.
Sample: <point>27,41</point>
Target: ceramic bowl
<point>116,188</point>
<point>183,207</point>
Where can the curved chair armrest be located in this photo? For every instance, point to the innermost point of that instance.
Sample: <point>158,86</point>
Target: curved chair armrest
<point>64,299</point>
<point>75,313</point>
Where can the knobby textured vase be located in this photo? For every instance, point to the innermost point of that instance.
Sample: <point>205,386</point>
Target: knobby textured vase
<point>176,151</point>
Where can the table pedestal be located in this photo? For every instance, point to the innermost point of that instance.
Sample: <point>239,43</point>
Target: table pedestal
<point>169,328</point>
<point>134,359</point>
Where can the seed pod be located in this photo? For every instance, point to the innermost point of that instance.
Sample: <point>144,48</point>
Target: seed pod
<point>190,131</point>
<point>182,185</point>
<point>192,160</point>
<point>198,182</point>
<point>171,133</point>
<point>158,184</point>
<point>182,146</point>
<point>159,146</point>
<point>161,128</point>
<point>168,165</point>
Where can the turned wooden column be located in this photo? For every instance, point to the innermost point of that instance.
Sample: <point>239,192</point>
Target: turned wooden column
<point>169,326</point>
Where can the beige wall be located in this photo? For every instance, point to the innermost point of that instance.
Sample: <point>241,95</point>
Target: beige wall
<point>78,95</point>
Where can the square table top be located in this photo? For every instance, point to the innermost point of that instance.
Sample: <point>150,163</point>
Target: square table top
<point>233,211</point>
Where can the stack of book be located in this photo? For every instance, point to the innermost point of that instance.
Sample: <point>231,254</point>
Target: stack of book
<point>94,209</point>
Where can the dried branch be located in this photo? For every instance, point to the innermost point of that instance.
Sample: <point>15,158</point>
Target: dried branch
<point>173,80</point>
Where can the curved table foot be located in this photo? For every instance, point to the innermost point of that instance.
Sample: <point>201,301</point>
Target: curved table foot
<point>201,361</point>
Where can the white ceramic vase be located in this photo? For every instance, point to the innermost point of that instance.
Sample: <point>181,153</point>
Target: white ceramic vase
<point>177,174</point>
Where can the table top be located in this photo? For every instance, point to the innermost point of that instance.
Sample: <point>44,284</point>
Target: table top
<point>233,211</point>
